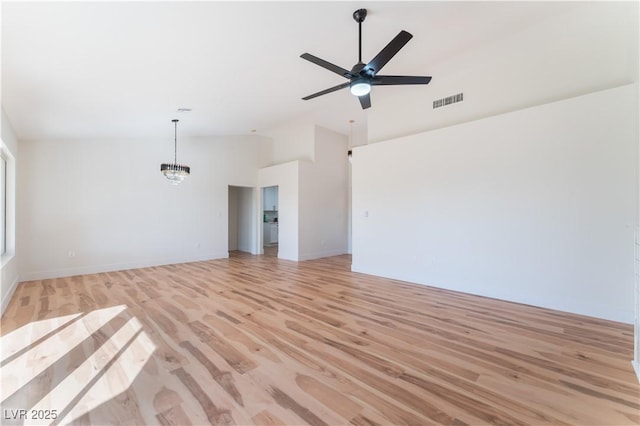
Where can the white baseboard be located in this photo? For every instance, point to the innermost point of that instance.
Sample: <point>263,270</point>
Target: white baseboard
<point>287,256</point>
<point>636,367</point>
<point>321,254</point>
<point>7,297</point>
<point>96,269</point>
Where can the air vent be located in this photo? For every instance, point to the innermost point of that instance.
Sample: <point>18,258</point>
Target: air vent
<point>448,100</point>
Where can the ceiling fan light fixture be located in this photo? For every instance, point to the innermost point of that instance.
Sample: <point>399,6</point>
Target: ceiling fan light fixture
<point>360,87</point>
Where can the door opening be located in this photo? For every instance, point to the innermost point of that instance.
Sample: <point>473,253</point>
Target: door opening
<point>241,225</point>
<point>270,220</point>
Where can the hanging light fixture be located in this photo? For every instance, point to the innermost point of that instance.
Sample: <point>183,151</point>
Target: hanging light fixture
<point>173,171</point>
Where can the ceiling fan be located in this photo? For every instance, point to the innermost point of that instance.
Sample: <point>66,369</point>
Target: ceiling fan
<point>362,76</point>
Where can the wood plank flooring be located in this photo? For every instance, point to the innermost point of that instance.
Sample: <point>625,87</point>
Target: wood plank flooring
<point>257,340</point>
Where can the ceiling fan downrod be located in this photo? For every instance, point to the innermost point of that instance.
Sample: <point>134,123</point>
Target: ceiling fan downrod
<point>359,16</point>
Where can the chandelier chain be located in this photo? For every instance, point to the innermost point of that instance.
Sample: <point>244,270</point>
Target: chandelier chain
<point>175,141</point>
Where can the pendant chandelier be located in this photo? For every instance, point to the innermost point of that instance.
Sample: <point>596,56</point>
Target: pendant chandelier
<point>173,171</point>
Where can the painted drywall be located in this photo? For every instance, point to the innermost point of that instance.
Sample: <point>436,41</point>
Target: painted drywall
<point>97,205</point>
<point>9,274</point>
<point>358,134</point>
<point>241,223</point>
<point>285,177</point>
<point>8,135</point>
<point>636,334</point>
<point>537,206</point>
<point>589,46</point>
<point>292,141</point>
<point>233,218</point>
<point>636,340</point>
<point>312,191</point>
<point>323,197</point>
<point>246,224</point>
<point>349,211</point>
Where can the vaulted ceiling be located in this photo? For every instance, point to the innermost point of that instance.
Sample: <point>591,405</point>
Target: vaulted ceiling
<point>122,69</point>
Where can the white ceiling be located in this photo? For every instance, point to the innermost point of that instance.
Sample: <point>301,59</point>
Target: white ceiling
<point>121,69</point>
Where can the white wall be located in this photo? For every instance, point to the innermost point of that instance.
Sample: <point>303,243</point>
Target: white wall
<point>107,202</point>
<point>246,225</point>
<point>323,197</point>
<point>241,223</point>
<point>9,276</point>
<point>292,141</point>
<point>285,176</point>
<point>586,47</point>
<point>537,206</point>
<point>233,217</point>
<point>636,351</point>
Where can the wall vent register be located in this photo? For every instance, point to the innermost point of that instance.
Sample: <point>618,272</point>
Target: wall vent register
<point>448,100</point>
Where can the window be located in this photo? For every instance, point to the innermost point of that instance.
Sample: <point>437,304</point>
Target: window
<point>3,207</point>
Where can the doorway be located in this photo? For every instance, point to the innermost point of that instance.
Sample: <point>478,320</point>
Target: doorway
<point>241,225</point>
<point>270,220</point>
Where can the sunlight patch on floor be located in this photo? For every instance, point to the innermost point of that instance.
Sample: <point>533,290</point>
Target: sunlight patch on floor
<point>77,365</point>
<point>20,339</point>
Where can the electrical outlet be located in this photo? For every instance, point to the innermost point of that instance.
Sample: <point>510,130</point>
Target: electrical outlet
<point>72,253</point>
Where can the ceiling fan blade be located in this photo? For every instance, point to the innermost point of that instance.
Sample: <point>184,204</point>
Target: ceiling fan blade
<point>388,52</point>
<point>327,65</point>
<point>365,101</point>
<point>388,80</point>
<point>329,90</point>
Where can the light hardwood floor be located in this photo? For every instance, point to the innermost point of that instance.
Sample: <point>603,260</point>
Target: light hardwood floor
<point>257,340</point>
